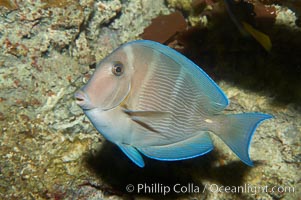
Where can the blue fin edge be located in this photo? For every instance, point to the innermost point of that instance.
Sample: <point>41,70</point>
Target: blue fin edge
<point>132,154</point>
<point>266,117</point>
<point>177,159</point>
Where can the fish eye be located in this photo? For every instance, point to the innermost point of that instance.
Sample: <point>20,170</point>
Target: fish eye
<point>117,69</point>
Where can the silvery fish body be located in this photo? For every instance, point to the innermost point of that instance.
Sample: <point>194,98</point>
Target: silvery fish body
<point>147,98</point>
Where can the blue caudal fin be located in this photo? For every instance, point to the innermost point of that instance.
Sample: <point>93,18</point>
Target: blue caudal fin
<point>132,153</point>
<point>236,130</point>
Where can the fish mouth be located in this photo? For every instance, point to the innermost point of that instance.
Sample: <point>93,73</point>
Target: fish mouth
<point>82,99</point>
<point>79,99</point>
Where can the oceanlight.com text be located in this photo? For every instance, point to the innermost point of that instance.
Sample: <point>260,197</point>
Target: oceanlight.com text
<point>158,188</point>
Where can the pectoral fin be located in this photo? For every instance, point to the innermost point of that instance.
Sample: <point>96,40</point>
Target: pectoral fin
<point>146,114</point>
<point>145,125</point>
<point>144,118</point>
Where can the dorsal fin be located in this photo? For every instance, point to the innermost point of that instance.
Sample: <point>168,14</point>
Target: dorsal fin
<point>174,61</point>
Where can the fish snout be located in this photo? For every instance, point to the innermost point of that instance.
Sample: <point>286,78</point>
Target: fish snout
<point>82,99</point>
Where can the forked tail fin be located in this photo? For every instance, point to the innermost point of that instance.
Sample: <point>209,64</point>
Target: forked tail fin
<point>236,130</point>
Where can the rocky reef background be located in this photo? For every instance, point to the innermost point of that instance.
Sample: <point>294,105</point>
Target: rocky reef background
<point>49,149</point>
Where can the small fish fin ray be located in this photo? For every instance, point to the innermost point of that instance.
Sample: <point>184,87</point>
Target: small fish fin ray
<point>132,154</point>
<point>246,29</point>
<point>197,145</point>
<point>239,133</point>
<point>263,39</point>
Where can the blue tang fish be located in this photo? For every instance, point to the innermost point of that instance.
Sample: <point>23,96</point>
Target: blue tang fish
<point>149,99</point>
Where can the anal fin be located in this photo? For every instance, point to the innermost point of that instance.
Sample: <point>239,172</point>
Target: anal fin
<point>197,145</point>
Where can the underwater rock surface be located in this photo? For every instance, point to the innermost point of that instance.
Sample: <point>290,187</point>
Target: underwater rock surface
<point>49,149</point>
